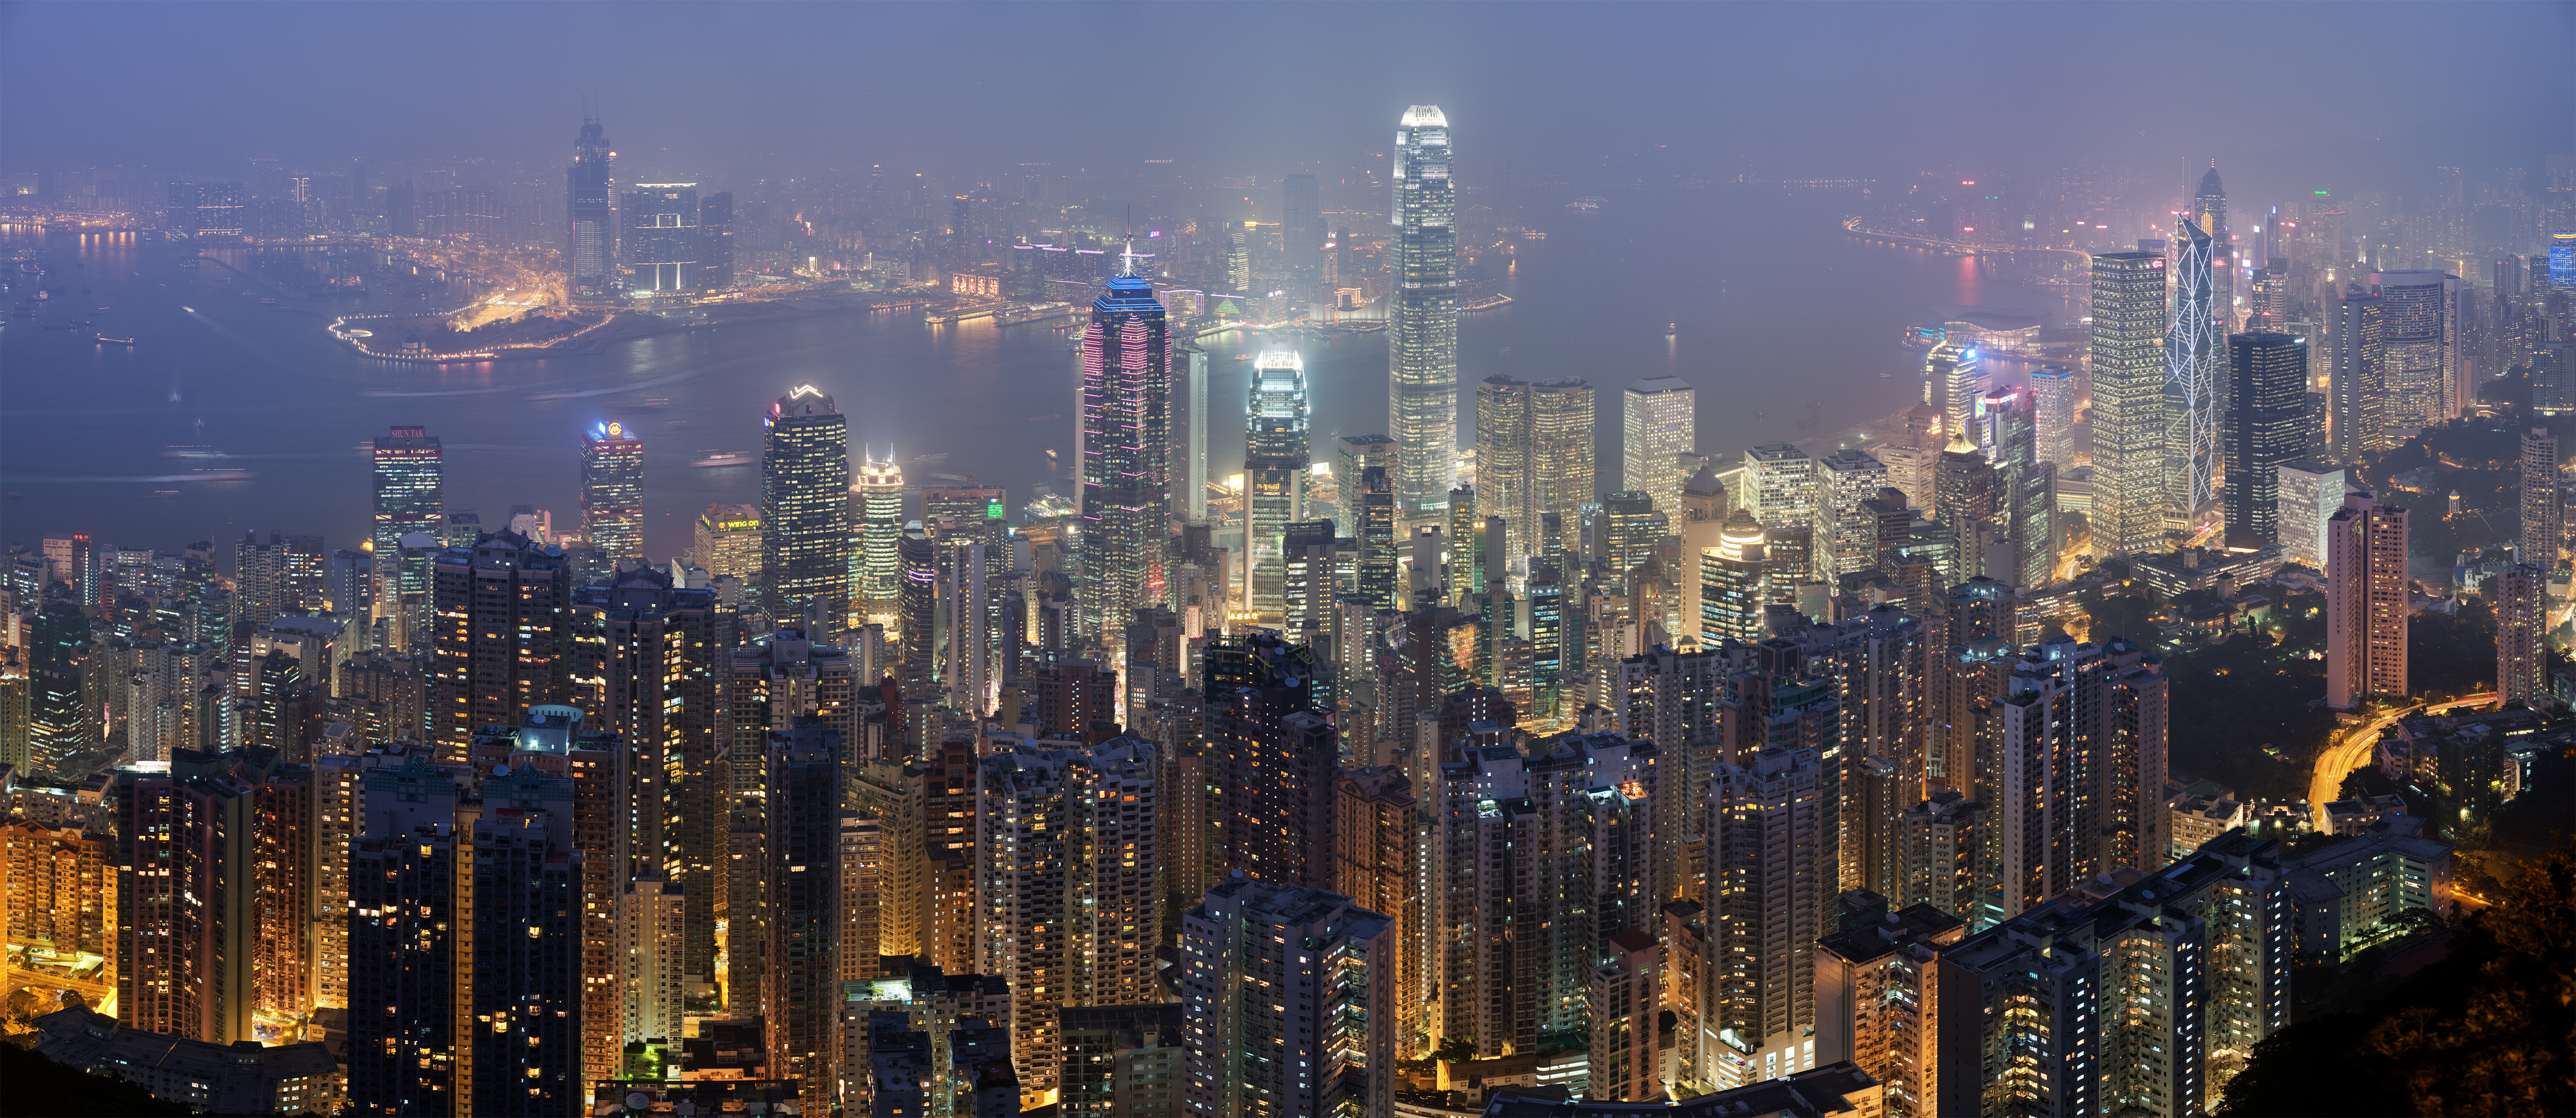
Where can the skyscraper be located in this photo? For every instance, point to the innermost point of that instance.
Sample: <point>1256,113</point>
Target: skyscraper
<point>1504,478</point>
<point>1953,378</point>
<point>1781,480</point>
<point>408,469</point>
<point>1275,453</point>
<point>2359,380</point>
<point>1301,235</point>
<point>2209,212</point>
<point>612,490</point>
<point>2420,329</point>
<point>805,506</point>
<point>878,505</point>
<point>2192,381</point>
<point>2266,426</point>
<point>2311,491</point>
<point>591,245</point>
<point>1422,321</point>
<point>2544,509</point>
<point>2130,415</point>
<point>1657,427</point>
<point>501,635</point>
<point>1770,876</point>
<point>2522,631</point>
<point>1291,1002</point>
<point>728,545</point>
<point>2367,609</point>
<point>1847,540</point>
<point>2053,389</point>
<point>1126,454</point>
<point>1732,593</point>
<point>660,242</point>
<point>1533,456</point>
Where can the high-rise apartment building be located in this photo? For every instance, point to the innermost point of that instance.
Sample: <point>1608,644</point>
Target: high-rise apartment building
<point>1275,457</point>
<point>800,990</point>
<point>612,490</point>
<point>1657,425</point>
<point>2138,1000</point>
<point>2367,608</point>
<point>1623,1006</point>
<point>2130,414</point>
<point>1422,319</point>
<point>1848,537</point>
<point>591,248</point>
<point>408,469</point>
<point>644,659</point>
<point>188,902</point>
<point>805,507</point>
<point>501,636</point>
<point>1126,431</point>
<point>1878,1004</point>
<point>1379,848</point>
<point>2522,629</point>
<point>1770,857</point>
<point>1290,1003</point>
<point>2266,427</point>
<point>652,922</point>
<point>2543,500</point>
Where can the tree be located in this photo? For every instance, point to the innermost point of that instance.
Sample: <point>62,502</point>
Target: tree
<point>32,1084</point>
<point>1454,1049</point>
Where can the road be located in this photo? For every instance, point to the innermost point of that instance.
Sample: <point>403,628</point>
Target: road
<point>2355,750</point>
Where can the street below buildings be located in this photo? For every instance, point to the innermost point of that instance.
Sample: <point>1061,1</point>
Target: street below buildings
<point>2355,749</point>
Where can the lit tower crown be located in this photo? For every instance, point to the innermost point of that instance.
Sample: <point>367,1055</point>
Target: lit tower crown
<point>1125,454</point>
<point>805,505</point>
<point>1422,324</point>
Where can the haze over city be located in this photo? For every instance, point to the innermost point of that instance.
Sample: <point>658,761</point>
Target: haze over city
<point>1156,559</point>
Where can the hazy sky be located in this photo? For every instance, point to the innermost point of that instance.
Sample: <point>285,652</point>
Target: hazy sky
<point>2369,89</point>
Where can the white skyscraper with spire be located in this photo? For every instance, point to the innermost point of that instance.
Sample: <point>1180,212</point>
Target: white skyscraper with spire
<point>1422,318</point>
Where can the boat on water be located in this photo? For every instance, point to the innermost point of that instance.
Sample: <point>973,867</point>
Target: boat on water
<point>1672,330</point>
<point>115,341</point>
<point>730,458</point>
<point>362,333</point>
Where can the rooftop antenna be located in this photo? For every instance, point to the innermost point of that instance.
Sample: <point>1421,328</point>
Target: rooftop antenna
<point>1127,259</point>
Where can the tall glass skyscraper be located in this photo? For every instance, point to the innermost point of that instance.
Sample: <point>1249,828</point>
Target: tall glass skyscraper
<point>590,251</point>
<point>2053,390</point>
<point>2194,391</point>
<point>2209,212</point>
<point>1658,425</point>
<point>408,498</point>
<point>1275,457</point>
<point>2266,426</point>
<point>1126,455</point>
<point>2418,325</point>
<point>2357,375</point>
<point>1422,319</point>
<point>2129,412</point>
<point>805,505</point>
<point>877,502</point>
<point>661,246</point>
<point>612,490</point>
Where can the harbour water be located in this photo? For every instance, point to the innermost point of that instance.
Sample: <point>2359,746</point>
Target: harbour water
<point>1779,320</point>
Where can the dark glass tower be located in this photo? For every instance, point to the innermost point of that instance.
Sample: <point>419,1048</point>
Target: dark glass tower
<point>592,243</point>
<point>408,499</point>
<point>612,490</point>
<point>1126,448</point>
<point>2266,426</point>
<point>1301,235</point>
<point>805,505</point>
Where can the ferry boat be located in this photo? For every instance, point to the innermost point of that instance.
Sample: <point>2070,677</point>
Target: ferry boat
<point>115,341</point>
<point>1034,312</point>
<point>729,458</point>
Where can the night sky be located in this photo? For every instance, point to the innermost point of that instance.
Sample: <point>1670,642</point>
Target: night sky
<point>2330,93</point>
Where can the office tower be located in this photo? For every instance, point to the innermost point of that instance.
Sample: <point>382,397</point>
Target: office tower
<point>1964,501</point>
<point>1657,427</point>
<point>2311,491</point>
<point>2419,327</point>
<point>1125,452</point>
<point>805,507</point>
<point>1238,257</point>
<point>1953,378</point>
<point>2144,1000</point>
<point>2209,215</point>
<point>612,490</point>
<point>2130,414</point>
<point>2544,509</point>
<point>1121,1060</point>
<point>187,902</point>
<point>1189,475</point>
<point>1422,320</point>
<point>877,508</point>
<point>502,640</point>
<point>1560,453</point>
<point>1878,1004</point>
<point>1290,1003</point>
<point>2194,390</point>
<point>2367,609</point>
<point>590,253</point>
<point>1353,457</point>
<point>407,500</point>
<point>659,244</point>
<point>1377,538</point>
<point>1848,479</point>
<point>728,545</point>
<point>62,881</point>
<point>2267,414</point>
<point>1769,853</point>
<point>303,570</point>
<point>1065,886</point>
<point>1781,480</point>
<point>2053,389</point>
<point>1733,594</point>
<point>1947,858</point>
<point>2360,381</point>
<point>1301,235</point>
<point>1503,469</point>
<point>1275,454</point>
<point>1622,1006</point>
<point>1378,854</point>
<point>917,604</point>
<point>2522,629</point>
<point>349,588</point>
<point>1311,584</point>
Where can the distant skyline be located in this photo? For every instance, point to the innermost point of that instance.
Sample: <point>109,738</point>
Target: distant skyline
<point>1545,90</point>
